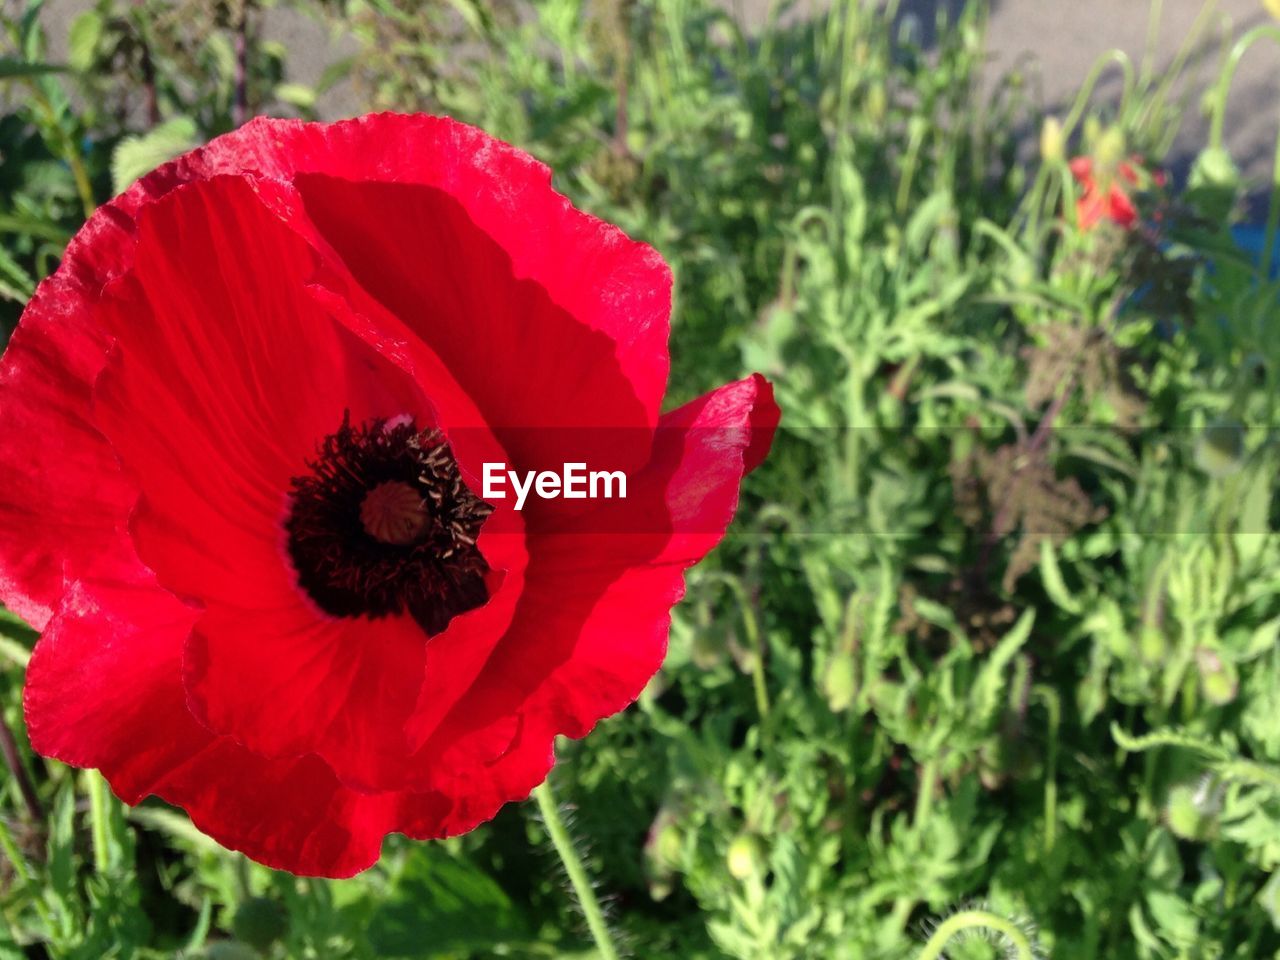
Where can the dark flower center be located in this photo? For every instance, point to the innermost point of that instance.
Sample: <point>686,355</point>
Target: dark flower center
<point>384,524</point>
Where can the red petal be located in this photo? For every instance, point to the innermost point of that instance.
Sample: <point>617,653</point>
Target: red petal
<point>119,706</point>
<point>1122,211</point>
<point>592,624</point>
<point>507,341</point>
<point>105,679</point>
<point>603,280</point>
<point>227,375</point>
<point>1090,209</point>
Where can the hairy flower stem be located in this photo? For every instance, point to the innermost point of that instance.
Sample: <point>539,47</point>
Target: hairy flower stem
<point>573,866</point>
<point>99,815</point>
<point>977,920</point>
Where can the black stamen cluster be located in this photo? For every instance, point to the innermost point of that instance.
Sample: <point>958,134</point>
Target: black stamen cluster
<point>350,573</point>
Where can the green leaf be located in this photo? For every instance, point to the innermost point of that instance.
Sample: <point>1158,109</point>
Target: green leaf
<point>15,282</point>
<point>82,40</point>
<point>296,95</point>
<point>177,825</point>
<point>12,68</point>
<point>1051,578</point>
<point>985,697</point>
<point>137,156</point>
<point>442,904</point>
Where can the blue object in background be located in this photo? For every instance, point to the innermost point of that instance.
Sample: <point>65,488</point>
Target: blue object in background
<point>1251,237</point>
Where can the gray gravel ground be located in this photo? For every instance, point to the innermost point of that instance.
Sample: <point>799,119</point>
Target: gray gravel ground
<point>1062,37</point>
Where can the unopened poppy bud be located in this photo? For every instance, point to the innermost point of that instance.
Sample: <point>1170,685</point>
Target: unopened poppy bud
<point>260,922</point>
<point>1109,151</point>
<point>1092,131</point>
<point>1214,168</point>
<point>666,840</point>
<point>662,854</point>
<point>1219,679</point>
<point>1052,143</point>
<point>1220,448</point>
<point>1191,811</point>
<point>840,682</point>
<point>1152,643</point>
<point>745,857</point>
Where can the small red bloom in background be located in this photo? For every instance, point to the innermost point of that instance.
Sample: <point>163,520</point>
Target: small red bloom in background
<point>1109,198</point>
<point>244,427</point>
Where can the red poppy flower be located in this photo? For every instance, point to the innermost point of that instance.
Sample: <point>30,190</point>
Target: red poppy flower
<point>1109,199</point>
<point>244,429</point>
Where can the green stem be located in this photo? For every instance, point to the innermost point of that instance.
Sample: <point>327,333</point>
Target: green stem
<point>573,866</point>
<point>1053,705</point>
<point>70,151</point>
<point>928,784</point>
<point>928,775</point>
<point>244,883</point>
<point>1218,105</point>
<point>977,919</point>
<point>1273,217</point>
<point>1081,103</point>
<point>99,813</point>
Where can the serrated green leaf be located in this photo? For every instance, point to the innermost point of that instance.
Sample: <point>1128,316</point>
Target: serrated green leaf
<point>135,157</point>
<point>1051,579</point>
<point>82,40</point>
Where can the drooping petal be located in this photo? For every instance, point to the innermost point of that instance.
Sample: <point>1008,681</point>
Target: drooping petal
<point>592,624</point>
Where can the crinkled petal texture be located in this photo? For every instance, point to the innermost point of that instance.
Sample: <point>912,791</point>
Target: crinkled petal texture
<point>206,332</point>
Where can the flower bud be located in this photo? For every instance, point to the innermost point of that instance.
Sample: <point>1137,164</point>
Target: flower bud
<point>745,857</point>
<point>1092,131</point>
<point>1109,151</point>
<point>662,853</point>
<point>1219,679</point>
<point>1214,168</point>
<point>1053,144</point>
<point>665,841</point>
<point>1192,809</point>
<point>1152,643</point>
<point>840,681</point>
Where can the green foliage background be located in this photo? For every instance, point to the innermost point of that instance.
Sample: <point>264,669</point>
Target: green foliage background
<point>998,623</point>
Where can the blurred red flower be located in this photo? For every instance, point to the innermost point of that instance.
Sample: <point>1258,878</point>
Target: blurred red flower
<point>1109,198</point>
<point>244,426</point>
